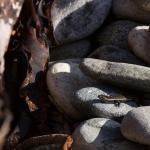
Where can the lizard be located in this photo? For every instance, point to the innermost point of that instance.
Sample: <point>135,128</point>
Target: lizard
<point>117,99</point>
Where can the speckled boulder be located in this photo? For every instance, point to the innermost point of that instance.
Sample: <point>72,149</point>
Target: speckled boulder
<point>115,54</point>
<point>120,74</point>
<point>116,33</point>
<point>75,19</point>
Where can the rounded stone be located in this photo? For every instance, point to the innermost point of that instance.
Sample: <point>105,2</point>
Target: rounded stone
<point>136,125</point>
<point>121,74</point>
<point>116,33</point>
<point>139,39</point>
<point>128,9</point>
<point>101,134</point>
<point>88,103</point>
<point>64,78</point>
<point>115,54</point>
<point>143,4</point>
<point>76,19</point>
<point>79,49</point>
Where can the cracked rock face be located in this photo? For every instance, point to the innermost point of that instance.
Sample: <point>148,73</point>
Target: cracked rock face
<point>75,19</point>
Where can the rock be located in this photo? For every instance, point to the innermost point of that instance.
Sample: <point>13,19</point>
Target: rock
<point>128,9</point>
<point>116,33</point>
<point>79,49</point>
<point>76,19</point>
<point>146,102</point>
<point>136,125</point>
<point>143,4</point>
<point>115,54</point>
<point>139,39</point>
<point>121,74</point>
<point>64,78</point>
<point>101,134</point>
<point>88,103</point>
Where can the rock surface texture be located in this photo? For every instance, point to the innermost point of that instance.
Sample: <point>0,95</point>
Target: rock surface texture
<point>89,103</point>
<point>115,54</point>
<point>121,74</point>
<point>116,33</point>
<point>79,49</point>
<point>139,39</point>
<point>101,134</point>
<point>136,125</point>
<point>129,9</point>
<point>75,19</point>
<point>64,78</point>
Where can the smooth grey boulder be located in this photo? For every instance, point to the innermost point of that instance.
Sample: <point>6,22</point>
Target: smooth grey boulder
<point>76,19</point>
<point>64,78</point>
<point>120,74</point>
<point>79,49</point>
<point>116,33</point>
<point>136,125</point>
<point>115,54</point>
<point>88,103</point>
<point>139,42</point>
<point>128,9</point>
<point>101,134</point>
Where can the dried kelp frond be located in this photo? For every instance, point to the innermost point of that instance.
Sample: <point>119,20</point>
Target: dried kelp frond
<point>54,141</point>
<point>25,78</point>
<point>9,13</point>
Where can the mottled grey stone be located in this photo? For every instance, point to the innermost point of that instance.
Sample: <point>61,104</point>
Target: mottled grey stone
<point>139,41</point>
<point>75,19</point>
<point>128,9</point>
<point>115,54</point>
<point>101,134</point>
<point>88,103</point>
<point>79,49</point>
<point>136,125</point>
<point>121,74</point>
<point>64,78</point>
<point>116,33</point>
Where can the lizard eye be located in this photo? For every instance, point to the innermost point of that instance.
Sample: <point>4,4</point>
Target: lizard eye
<point>100,96</point>
<point>117,103</point>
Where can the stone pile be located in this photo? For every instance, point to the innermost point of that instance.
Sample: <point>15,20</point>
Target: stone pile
<point>99,74</point>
